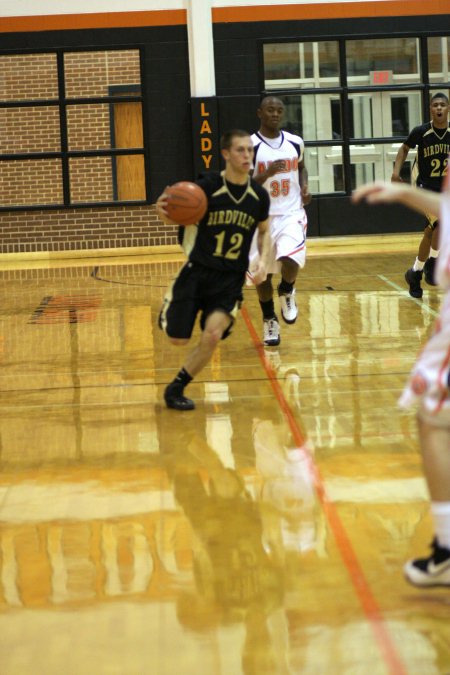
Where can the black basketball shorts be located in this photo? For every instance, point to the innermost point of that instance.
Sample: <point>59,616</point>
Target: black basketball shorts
<point>199,289</point>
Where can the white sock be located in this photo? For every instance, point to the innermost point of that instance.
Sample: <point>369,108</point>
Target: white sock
<point>418,265</point>
<point>440,512</point>
<point>433,253</point>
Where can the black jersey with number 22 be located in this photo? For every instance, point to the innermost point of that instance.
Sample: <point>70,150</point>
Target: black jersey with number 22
<point>433,147</point>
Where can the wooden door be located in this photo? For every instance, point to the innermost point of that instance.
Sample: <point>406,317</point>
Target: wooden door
<point>130,172</point>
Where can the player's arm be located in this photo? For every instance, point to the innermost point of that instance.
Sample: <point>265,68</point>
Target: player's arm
<point>161,204</point>
<point>303,178</point>
<point>424,201</point>
<point>400,159</point>
<point>273,168</point>
<point>263,240</point>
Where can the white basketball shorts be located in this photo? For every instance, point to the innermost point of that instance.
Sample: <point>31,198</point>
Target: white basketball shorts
<point>288,236</point>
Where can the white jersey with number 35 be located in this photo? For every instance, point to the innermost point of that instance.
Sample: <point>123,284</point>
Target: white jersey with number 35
<point>284,186</point>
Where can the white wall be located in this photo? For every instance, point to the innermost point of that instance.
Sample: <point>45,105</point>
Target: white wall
<point>40,7</point>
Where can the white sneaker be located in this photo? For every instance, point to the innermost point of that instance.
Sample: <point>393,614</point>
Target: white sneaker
<point>271,332</point>
<point>289,307</point>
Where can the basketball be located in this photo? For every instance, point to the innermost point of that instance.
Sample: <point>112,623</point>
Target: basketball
<point>186,203</point>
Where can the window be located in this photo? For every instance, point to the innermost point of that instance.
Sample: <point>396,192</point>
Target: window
<point>313,116</point>
<point>378,114</point>
<point>439,59</point>
<point>353,128</point>
<point>301,64</point>
<point>84,146</point>
<point>397,55</point>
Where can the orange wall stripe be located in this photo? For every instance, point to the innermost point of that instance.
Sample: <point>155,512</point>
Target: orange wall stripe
<point>331,10</point>
<point>27,24</point>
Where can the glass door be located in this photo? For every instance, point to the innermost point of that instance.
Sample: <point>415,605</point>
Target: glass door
<point>372,115</point>
<point>377,115</point>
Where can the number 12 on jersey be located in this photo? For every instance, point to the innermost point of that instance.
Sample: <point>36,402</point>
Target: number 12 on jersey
<point>231,252</point>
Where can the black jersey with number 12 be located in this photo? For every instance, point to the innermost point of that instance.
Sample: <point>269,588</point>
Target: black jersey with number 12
<point>225,233</point>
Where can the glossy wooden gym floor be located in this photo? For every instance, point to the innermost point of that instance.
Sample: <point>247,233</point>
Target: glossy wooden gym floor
<point>263,533</point>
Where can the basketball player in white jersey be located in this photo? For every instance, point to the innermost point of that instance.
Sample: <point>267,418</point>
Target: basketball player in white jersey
<point>429,384</point>
<point>279,166</point>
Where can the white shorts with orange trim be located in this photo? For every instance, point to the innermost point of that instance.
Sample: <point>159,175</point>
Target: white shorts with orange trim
<point>288,235</point>
<point>428,385</point>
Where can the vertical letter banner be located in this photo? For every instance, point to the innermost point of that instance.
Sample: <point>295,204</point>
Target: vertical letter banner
<point>205,135</point>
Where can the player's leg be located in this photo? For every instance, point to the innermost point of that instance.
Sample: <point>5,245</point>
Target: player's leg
<point>413,276</point>
<point>424,249</point>
<point>271,327</point>
<point>290,245</point>
<point>430,265</point>
<point>425,260</point>
<point>180,306</point>
<point>429,385</point>
<point>218,296</point>
<point>435,445</point>
<point>216,325</point>
<point>177,319</point>
<point>286,289</point>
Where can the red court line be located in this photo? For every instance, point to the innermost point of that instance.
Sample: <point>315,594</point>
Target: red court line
<point>358,580</point>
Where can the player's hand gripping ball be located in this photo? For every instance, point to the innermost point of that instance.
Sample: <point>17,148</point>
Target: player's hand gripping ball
<point>186,202</point>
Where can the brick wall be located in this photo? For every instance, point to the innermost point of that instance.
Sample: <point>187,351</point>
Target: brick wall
<point>34,182</point>
<point>31,77</point>
<point>83,229</point>
<point>30,129</point>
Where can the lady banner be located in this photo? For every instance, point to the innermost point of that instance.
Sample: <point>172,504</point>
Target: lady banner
<point>205,135</point>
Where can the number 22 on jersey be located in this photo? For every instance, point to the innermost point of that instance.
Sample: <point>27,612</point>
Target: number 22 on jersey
<point>437,170</point>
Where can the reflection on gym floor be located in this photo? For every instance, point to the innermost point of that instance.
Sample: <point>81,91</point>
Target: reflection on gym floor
<point>262,533</point>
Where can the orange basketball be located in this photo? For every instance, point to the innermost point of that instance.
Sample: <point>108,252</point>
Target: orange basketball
<point>186,203</point>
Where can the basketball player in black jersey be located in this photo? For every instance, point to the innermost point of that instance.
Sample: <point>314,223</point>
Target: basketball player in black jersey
<point>433,146</point>
<point>210,283</point>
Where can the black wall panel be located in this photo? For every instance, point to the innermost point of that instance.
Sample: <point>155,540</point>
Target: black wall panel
<point>236,65</point>
<point>168,114</point>
<point>312,211</point>
<point>94,37</point>
<point>238,112</point>
<point>338,216</point>
<point>315,28</point>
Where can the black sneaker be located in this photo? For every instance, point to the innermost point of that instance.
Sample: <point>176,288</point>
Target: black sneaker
<point>432,571</point>
<point>428,271</point>
<point>175,399</point>
<point>414,279</point>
